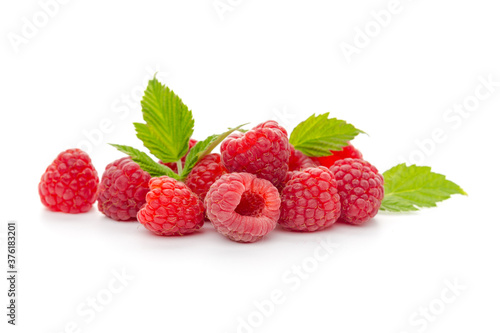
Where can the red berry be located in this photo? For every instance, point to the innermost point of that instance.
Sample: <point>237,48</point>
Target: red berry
<point>122,191</point>
<point>173,165</point>
<point>289,176</point>
<point>69,184</point>
<point>361,189</point>
<point>299,161</point>
<point>310,201</point>
<point>243,207</point>
<point>263,151</point>
<point>347,152</point>
<point>171,208</point>
<point>204,174</point>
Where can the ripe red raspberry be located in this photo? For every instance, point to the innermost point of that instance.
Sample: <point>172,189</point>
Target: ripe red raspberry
<point>243,207</point>
<point>173,165</point>
<point>171,208</point>
<point>299,161</point>
<point>289,176</point>
<point>69,184</point>
<point>361,189</point>
<point>122,191</point>
<point>347,152</point>
<point>204,174</point>
<point>263,151</point>
<point>310,201</point>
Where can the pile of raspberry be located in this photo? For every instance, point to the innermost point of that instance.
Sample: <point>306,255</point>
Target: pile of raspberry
<point>258,181</point>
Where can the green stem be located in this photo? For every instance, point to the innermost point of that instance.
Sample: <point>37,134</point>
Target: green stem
<point>179,167</point>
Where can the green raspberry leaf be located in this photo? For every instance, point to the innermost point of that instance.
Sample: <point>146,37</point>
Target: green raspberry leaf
<point>408,188</point>
<point>147,163</point>
<point>318,135</point>
<point>169,123</point>
<point>203,148</point>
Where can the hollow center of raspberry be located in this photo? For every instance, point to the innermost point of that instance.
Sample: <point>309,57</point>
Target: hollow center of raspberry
<point>251,204</point>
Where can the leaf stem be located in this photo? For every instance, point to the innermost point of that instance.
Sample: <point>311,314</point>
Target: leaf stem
<point>179,167</point>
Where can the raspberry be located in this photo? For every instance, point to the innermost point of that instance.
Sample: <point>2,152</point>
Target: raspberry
<point>243,207</point>
<point>310,201</point>
<point>173,165</point>
<point>69,184</point>
<point>122,191</point>
<point>361,189</point>
<point>171,208</point>
<point>299,161</point>
<point>347,152</point>
<point>263,151</point>
<point>289,176</point>
<point>204,174</point>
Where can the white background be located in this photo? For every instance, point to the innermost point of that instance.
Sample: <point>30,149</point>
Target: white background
<point>265,59</point>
